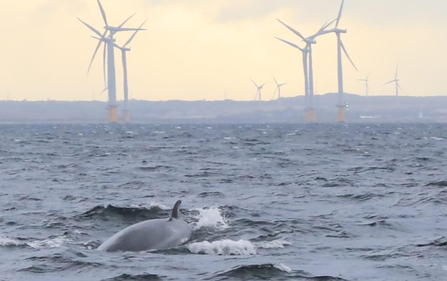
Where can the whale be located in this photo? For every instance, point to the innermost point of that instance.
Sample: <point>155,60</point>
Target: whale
<point>156,234</point>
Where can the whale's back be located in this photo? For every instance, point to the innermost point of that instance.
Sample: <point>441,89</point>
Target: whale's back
<point>149,235</point>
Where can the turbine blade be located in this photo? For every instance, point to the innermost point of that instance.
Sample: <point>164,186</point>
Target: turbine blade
<point>291,44</point>
<point>127,29</point>
<point>340,13</point>
<point>392,81</point>
<point>94,55</point>
<point>293,30</point>
<point>282,84</point>
<point>275,80</point>
<point>105,89</point>
<point>398,85</point>
<point>397,68</point>
<point>263,85</point>
<point>254,83</point>
<point>103,13</point>
<point>274,94</point>
<point>133,36</point>
<point>346,52</point>
<point>326,25</point>
<point>90,27</point>
<point>121,25</point>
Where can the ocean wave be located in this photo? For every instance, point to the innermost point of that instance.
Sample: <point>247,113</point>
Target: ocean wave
<point>275,244</point>
<point>138,277</point>
<point>259,272</point>
<point>8,242</point>
<point>55,242</point>
<point>133,214</point>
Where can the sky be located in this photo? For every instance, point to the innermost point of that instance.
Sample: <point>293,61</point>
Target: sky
<point>202,49</point>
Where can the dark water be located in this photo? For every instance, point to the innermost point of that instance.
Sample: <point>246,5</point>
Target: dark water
<point>280,202</point>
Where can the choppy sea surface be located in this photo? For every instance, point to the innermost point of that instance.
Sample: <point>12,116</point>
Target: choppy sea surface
<point>266,202</point>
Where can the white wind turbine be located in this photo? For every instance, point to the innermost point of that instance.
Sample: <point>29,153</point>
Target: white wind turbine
<point>258,90</point>
<point>366,80</point>
<point>306,69</point>
<point>124,51</point>
<point>278,89</point>
<point>396,81</point>
<point>109,42</point>
<point>340,48</point>
<point>308,65</point>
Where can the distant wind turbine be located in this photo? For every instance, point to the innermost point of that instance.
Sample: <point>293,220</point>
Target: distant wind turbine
<point>124,51</point>
<point>396,81</point>
<point>109,42</point>
<point>258,90</point>
<point>308,65</point>
<point>278,89</point>
<point>340,47</point>
<point>366,80</point>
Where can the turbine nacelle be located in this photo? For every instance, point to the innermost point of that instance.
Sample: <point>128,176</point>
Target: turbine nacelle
<point>105,39</point>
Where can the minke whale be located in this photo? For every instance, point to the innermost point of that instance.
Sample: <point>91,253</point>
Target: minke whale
<point>158,234</point>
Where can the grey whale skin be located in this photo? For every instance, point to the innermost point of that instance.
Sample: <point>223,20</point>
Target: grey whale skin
<point>158,234</point>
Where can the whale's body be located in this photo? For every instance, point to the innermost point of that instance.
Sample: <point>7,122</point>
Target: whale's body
<point>156,234</point>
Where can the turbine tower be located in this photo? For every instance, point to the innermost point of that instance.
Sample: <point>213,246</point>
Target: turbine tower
<point>340,47</point>
<point>366,80</point>
<point>258,90</point>
<point>124,51</point>
<point>396,80</point>
<point>109,42</point>
<point>308,66</point>
<point>278,89</point>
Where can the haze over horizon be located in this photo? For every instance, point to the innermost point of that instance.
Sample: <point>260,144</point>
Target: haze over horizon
<point>199,49</point>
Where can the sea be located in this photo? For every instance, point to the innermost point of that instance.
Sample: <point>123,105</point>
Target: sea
<point>319,202</point>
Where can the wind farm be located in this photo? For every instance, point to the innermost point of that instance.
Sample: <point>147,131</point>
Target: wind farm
<point>109,57</point>
<point>168,66</point>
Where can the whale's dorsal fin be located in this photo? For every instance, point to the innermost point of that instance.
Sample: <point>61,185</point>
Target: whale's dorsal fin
<point>175,211</point>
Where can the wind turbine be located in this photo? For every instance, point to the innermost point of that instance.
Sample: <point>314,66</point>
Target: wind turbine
<point>308,66</point>
<point>124,51</point>
<point>109,42</point>
<point>340,47</point>
<point>366,80</point>
<point>278,89</point>
<point>396,80</point>
<point>258,90</point>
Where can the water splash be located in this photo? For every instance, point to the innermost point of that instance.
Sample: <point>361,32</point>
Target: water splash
<point>224,248</point>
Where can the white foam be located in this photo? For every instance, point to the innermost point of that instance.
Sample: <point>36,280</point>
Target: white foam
<point>275,244</point>
<point>283,267</point>
<point>223,248</point>
<point>159,205</point>
<point>5,242</point>
<point>210,217</point>
<point>56,242</point>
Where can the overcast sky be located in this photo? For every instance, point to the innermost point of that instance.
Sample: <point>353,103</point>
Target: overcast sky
<point>197,49</point>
